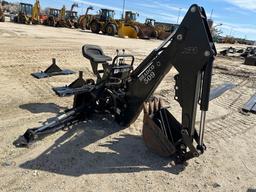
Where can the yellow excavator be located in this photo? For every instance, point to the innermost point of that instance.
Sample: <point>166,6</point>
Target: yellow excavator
<point>28,13</point>
<point>36,13</point>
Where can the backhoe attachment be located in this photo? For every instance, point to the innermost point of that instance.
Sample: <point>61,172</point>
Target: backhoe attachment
<point>121,91</point>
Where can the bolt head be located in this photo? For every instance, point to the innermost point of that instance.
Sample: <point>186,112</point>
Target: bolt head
<point>195,154</point>
<point>180,37</point>
<point>193,9</point>
<point>207,53</point>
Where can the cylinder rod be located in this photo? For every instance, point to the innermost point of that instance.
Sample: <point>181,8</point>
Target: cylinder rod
<point>202,127</point>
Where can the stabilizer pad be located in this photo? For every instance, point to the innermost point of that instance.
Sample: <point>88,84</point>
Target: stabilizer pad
<point>52,70</point>
<point>250,106</point>
<point>40,75</point>
<point>218,91</point>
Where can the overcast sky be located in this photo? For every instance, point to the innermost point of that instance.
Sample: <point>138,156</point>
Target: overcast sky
<point>238,17</point>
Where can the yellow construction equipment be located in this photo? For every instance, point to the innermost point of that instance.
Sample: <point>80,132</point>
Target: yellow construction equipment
<point>128,27</point>
<point>71,19</point>
<point>61,17</point>
<point>127,31</point>
<point>36,13</point>
<point>52,17</point>
<point>28,13</point>
<point>24,14</point>
<point>2,18</point>
<point>104,21</point>
<point>147,30</point>
<point>85,20</point>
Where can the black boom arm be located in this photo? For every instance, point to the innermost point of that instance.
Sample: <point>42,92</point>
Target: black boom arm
<point>191,51</point>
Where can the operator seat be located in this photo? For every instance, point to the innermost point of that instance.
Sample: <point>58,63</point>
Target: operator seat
<point>96,56</point>
<point>117,70</point>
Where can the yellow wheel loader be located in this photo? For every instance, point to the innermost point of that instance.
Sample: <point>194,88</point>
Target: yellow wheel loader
<point>71,19</point>
<point>128,27</point>
<point>85,20</point>
<point>147,30</point>
<point>60,21</point>
<point>36,13</point>
<point>52,17</point>
<point>104,21</point>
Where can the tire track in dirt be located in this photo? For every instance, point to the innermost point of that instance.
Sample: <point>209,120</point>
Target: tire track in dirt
<point>235,123</point>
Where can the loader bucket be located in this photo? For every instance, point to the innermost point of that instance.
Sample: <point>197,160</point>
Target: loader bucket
<point>127,31</point>
<point>161,131</point>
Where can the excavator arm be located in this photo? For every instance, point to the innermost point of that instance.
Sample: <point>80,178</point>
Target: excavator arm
<point>191,51</point>
<point>36,13</point>
<point>122,91</point>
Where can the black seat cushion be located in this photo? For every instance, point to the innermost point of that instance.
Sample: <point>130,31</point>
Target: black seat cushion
<point>95,54</point>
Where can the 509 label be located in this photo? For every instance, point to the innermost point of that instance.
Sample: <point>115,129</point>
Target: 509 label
<point>148,75</point>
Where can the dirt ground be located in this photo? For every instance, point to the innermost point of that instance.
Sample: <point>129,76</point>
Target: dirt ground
<point>96,155</point>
